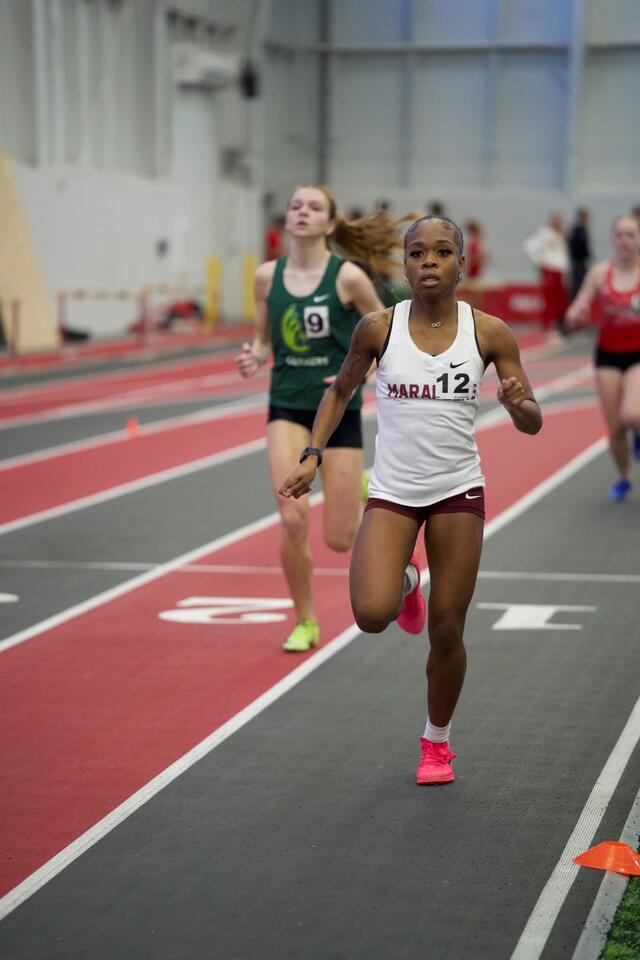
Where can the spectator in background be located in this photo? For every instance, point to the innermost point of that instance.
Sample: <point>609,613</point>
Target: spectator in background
<point>435,209</point>
<point>548,251</point>
<point>635,213</point>
<point>382,206</point>
<point>579,250</point>
<point>274,241</point>
<point>476,258</point>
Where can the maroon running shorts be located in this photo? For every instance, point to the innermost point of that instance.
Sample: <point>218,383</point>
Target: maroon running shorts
<point>471,501</point>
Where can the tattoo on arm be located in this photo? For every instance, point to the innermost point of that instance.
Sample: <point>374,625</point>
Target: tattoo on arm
<point>361,350</point>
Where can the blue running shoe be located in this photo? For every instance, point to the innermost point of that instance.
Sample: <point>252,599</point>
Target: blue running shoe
<point>619,490</point>
<point>636,445</point>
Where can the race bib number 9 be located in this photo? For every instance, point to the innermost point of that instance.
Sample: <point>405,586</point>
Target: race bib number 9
<point>316,321</point>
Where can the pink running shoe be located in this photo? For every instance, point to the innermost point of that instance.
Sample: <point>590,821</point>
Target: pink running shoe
<point>435,763</point>
<point>414,612</point>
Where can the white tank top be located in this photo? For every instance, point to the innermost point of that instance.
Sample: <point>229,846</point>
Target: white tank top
<point>427,405</point>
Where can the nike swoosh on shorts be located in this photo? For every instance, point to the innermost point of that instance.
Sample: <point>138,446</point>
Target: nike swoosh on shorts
<point>476,496</point>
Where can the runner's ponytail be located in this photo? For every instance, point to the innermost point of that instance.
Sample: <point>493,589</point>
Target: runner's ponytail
<point>374,241</point>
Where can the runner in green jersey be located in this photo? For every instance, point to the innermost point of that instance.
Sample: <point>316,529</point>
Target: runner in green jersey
<point>307,305</point>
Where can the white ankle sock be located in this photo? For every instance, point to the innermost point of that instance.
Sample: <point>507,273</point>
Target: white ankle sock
<point>437,734</point>
<point>411,579</point>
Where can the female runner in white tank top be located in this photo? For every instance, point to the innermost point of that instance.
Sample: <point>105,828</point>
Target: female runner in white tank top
<point>431,352</point>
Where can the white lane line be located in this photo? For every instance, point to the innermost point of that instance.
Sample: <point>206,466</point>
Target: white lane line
<point>243,569</point>
<point>551,483</point>
<point>559,385</point>
<point>239,569</point>
<point>137,398</point>
<point>200,397</point>
<point>161,476</point>
<point>588,401</point>
<point>598,923</point>
<point>111,404</point>
<point>485,421</point>
<point>134,486</point>
<point>568,577</point>
<point>146,577</point>
<point>150,369</point>
<point>228,409</point>
<point>142,370</point>
<point>58,863</point>
<point>567,381</point>
<point>550,902</point>
<point>75,565</point>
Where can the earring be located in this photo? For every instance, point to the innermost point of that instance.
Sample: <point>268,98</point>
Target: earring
<point>460,276</point>
<point>406,279</point>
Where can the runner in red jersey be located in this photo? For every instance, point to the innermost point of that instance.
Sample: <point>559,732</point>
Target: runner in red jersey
<point>615,286</point>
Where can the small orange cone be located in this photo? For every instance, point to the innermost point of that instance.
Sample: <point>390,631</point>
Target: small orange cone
<point>611,855</point>
<point>132,427</point>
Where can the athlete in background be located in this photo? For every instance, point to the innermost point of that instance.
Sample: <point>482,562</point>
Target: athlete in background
<point>307,305</point>
<point>615,287</point>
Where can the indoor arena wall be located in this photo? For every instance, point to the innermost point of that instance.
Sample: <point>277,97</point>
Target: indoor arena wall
<point>504,110</point>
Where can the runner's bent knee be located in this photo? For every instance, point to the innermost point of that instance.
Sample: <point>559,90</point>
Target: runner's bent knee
<point>295,522</point>
<point>372,620</point>
<point>629,418</point>
<point>340,538</point>
<point>340,542</point>
<point>446,629</point>
<point>373,615</point>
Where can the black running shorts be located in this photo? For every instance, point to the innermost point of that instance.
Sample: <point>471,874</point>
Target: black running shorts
<point>620,361</point>
<point>348,433</point>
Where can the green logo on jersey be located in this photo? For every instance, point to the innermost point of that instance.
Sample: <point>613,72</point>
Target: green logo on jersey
<point>293,332</point>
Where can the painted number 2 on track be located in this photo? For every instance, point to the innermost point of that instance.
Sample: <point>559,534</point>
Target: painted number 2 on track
<point>228,610</point>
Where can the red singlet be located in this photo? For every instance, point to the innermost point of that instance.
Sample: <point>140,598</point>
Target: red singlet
<point>474,258</point>
<point>619,316</point>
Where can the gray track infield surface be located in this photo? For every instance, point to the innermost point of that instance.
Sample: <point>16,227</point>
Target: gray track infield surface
<point>193,510</point>
<point>16,440</point>
<point>304,835</point>
<point>82,368</point>
<point>47,433</point>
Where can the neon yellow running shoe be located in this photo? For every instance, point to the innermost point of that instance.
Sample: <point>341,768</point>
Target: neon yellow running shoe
<point>364,486</point>
<point>303,637</point>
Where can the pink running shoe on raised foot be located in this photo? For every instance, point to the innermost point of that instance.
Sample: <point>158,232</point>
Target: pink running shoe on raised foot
<point>435,763</point>
<point>414,612</point>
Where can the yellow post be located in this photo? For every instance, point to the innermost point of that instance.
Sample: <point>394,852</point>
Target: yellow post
<point>212,296</point>
<point>249,264</point>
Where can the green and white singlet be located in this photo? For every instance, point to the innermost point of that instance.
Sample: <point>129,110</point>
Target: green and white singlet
<point>310,337</point>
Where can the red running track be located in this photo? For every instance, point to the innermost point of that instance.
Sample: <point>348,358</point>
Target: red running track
<point>57,480</point>
<point>104,392</point>
<point>71,355</point>
<point>202,376</point>
<point>101,704</point>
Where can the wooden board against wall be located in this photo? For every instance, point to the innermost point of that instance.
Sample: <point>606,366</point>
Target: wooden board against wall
<point>21,278</point>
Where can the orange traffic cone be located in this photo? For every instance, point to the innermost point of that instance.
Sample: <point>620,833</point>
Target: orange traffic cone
<point>132,427</point>
<point>611,855</point>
